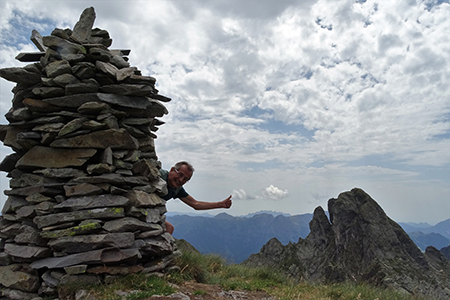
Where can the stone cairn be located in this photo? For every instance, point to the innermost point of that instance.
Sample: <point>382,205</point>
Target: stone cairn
<point>84,177</point>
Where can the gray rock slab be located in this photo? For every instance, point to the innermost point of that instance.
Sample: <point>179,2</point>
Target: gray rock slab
<point>57,68</point>
<point>112,179</point>
<point>82,29</point>
<point>129,224</point>
<point>48,92</point>
<point>19,276</point>
<point>63,46</point>
<point>150,215</point>
<point>82,189</point>
<point>9,231</point>
<point>29,235</point>
<point>149,234</point>
<point>49,128</point>
<point>30,56</point>
<point>160,97</point>
<point>81,88</point>
<point>128,89</point>
<point>100,168</point>
<point>13,203</point>
<point>96,213</point>
<point>65,79</point>
<point>107,68</point>
<point>92,108</point>
<point>84,243</point>
<point>99,54</point>
<point>92,257</point>
<point>137,121</point>
<point>8,163</point>
<point>143,199</point>
<point>163,244</point>
<point>27,252</point>
<point>21,114</point>
<point>119,62</point>
<point>46,157</point>
<point>114,138</point>
<point>75,101</point>
<point>49,279</point>
<point>36,105</point>
<point>139,79</point>
<point>145,168</point>
<point>89,202</point>
<point>20,75</point>
<point>60,172</point>
<point>82,229</point>
<point>72,126</point>
<point>36,38</point>
<point>27,191</point>
<point>73,58</point>
<point>37,198</point>
<point>125,73</point>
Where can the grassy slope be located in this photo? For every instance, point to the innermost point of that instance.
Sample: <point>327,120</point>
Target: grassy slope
<point>211,269</point>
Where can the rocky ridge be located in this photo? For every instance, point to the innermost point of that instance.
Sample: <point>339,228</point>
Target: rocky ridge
<point>359,243</point>
<point>84,176</point>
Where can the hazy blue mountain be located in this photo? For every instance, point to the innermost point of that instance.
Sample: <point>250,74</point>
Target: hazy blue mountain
<point>442,228</point>
<point>269,212</point>
<point>235,238</point>
<point>425,235</point>
<point>411,226</point>
<point>423,240</point>
<point>171,214</point>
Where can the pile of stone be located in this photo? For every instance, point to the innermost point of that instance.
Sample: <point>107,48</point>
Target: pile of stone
<point>84,175</point>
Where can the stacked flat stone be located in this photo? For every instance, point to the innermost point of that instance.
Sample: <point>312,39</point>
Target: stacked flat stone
<point>84,176</point>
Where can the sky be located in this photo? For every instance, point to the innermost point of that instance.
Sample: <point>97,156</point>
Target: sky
<point>282,104</point>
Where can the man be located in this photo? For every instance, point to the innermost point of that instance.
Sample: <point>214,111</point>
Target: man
<point>178,175</point>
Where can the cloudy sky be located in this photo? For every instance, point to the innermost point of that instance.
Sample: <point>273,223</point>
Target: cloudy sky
<point>283,104</point>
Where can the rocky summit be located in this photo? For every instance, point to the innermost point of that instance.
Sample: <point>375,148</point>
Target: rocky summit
<point>84,175</point>
<point>359,243</point>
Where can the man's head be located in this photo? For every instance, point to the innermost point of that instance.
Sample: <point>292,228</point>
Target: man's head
<point>179,174</point>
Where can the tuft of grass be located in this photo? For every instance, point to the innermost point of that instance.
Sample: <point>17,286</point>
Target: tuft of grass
<point>199,293</point>
<point>234,277</point>
<point>198,267</point>
<point>135,286</point>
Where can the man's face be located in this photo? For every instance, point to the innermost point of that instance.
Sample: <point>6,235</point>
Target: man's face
<point>178,178</point>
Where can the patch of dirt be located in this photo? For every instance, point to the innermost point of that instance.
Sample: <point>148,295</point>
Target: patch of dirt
<point>199,291</point>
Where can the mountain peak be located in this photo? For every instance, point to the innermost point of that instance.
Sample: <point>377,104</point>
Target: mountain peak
<point>359,243</point>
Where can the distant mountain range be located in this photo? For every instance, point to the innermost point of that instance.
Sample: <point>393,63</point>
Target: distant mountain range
<point>425,235</point>
<point>236,238</point>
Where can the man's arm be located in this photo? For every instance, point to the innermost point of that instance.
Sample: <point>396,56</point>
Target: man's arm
<point>201,205</point>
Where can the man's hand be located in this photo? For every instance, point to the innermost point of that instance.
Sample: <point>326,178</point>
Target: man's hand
<point>227,202</point>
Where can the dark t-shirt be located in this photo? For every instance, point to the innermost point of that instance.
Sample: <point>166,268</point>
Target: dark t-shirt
<point>172,192</point>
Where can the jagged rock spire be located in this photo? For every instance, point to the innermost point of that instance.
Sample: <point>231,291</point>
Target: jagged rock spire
<point>359,243</point>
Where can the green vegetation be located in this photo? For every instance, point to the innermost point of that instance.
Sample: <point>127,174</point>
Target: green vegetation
<point>211,269</point>
<point>136,286</point>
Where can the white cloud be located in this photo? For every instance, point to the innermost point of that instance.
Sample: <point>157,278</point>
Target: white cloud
<point>363,79</point>
<point>274,193</point>
<point>271,193</point>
